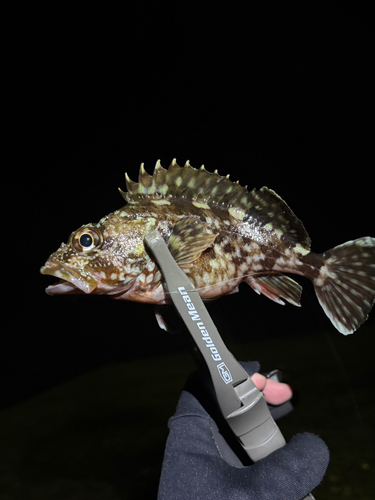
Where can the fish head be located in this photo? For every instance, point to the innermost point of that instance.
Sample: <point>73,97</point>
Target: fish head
<point>103,258</point>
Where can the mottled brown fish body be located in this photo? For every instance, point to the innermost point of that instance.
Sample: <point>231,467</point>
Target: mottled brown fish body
<point>220,235</point>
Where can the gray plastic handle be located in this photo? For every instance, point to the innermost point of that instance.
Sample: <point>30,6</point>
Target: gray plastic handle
<point>241,403</point>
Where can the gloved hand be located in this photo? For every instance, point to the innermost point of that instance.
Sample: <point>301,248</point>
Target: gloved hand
<point>200,465</point>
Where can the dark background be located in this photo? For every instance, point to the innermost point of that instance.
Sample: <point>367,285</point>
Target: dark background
<point>275,95</point>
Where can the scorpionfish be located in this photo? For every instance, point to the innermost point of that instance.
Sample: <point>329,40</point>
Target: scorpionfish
<point>220,234</point>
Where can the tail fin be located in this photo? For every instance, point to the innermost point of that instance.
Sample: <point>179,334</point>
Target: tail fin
<point>346,283</point>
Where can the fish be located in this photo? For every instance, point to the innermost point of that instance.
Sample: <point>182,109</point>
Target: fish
<point>221,234</point>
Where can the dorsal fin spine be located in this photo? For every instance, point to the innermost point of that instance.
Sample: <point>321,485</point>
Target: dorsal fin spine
<point>264,206</point>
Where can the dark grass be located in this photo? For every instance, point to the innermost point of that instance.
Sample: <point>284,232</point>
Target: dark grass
<point>101,435</point>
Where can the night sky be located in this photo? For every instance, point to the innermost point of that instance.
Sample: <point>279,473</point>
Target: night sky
<point>274,95</point>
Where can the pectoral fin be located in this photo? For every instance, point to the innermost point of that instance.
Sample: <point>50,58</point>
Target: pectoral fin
<point>277,287</point>
<point>168,319</point>
<point>189,238</point>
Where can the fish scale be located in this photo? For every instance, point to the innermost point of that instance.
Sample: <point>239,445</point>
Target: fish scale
<point>220,234</point>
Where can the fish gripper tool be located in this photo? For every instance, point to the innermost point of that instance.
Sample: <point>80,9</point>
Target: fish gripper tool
<point>241,402</point>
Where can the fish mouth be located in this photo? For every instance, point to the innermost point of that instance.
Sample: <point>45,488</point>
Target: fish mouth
<point>71,280</point>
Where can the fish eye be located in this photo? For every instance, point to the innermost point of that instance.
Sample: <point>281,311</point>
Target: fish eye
<point>86,239</point>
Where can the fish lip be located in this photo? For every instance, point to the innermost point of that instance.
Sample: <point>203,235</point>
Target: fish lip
<point>70,279</point>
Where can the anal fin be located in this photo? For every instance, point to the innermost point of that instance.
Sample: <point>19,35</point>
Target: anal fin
<point>277,287</point>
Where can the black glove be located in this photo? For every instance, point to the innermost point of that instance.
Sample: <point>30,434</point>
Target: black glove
<point>200,465</point>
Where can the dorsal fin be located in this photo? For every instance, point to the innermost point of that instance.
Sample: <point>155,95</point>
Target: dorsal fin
<point>271,212</point>
<point>209,189</point>
<point>185,182</point>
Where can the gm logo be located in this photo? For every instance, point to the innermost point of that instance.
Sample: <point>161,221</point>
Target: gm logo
<point>225,373</point>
